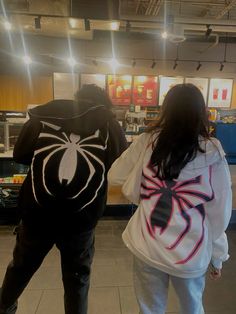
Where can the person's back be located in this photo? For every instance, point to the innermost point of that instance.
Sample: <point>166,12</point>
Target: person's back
<point>185,203</point>
<point>69,146</point>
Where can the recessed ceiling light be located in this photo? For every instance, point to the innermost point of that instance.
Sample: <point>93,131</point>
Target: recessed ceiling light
<point>27,60</point>
<point>7,25</point>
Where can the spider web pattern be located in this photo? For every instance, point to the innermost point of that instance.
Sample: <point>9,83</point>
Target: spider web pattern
<point>168,196</point>
<point>65,151</point>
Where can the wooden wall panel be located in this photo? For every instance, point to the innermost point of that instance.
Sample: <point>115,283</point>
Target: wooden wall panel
<point>233,104</point>
<point>16,91</point>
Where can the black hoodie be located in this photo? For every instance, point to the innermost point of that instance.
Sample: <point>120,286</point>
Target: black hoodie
<point>69,147</point>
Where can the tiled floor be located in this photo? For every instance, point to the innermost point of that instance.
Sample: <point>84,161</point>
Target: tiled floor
<point>111,283</point>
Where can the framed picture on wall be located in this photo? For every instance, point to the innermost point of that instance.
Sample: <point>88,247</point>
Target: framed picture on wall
<point>97,79</point>
<point>200,83</point>
<point>119,89</point>
<point>220,94</point>
<point>166,83</point>
<point>65,85</point>
<point>145,90</point>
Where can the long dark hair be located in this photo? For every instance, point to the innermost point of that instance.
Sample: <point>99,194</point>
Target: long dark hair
<point>182,121</point>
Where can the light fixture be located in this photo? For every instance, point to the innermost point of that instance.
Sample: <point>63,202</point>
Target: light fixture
<point>71,61</point>
<point>27,59</point>
<point>134,63</point>
<point>175,65</point>
<point>164,35</point>
<point>199,66</point>
<point>7,25</point>
<point>208,31</point>
<point>153,64</point>
<point>115,26</point>
<point>222,67</point>
<point>128,26</point>
<point>95,62</point>
<point>87,24</point>
<point>37,22</point>
<point>114,63</point>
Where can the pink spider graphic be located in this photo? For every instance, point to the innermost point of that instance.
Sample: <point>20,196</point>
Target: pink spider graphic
<point>166,193</point>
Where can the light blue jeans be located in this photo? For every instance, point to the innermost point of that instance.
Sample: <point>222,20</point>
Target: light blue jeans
<point>151,288</point>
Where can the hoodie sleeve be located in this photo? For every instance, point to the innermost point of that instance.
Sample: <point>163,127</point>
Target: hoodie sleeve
<point>24,147</point>
<point>122,167</point>
<point>220,211</point>
<point>117,142</point>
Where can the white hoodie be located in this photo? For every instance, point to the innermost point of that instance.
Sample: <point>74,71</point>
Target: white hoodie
<point>179,225</point>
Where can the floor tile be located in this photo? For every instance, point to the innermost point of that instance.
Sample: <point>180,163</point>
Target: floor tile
<point>46,278</point>
<point>29,301</point>
<point>51,302</point>
<point>104,301</point>
<point>128,300</point>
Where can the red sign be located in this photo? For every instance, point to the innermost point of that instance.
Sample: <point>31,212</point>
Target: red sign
<point>145,91</point>
<point>119,89</point>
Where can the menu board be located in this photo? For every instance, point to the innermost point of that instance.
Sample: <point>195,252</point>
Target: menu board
<point>119,89</point>
<point>200,83</point>
<point>65,85</point>
<point>145,90</point>
<point>220,93</point>
<point>97,79</point>
<point>166,83</point>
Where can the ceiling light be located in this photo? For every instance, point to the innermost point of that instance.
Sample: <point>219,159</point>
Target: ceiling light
<point>7,25</point>
<point>87,24</point>
<point>115,26</point>
<point>37,22</point>
<point>27,60</point>
<point>134,63</point>
<point>199,66</point>
<point>208,31</point>
<point>175,65</point>
<point>153,64</point>
<point>222,67</point>
<point>114,63</point>
<point>164,35</point>
<point>95,62</point>
<point>71,61</point>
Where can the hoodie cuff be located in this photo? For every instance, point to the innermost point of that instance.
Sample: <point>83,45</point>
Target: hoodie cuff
<point>218,263</point>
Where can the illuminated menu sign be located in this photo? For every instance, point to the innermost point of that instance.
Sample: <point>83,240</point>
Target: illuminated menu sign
<point>119,89</point>
<point>145,90</point>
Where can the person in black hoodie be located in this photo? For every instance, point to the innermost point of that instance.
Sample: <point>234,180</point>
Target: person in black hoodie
<point>69,147</point>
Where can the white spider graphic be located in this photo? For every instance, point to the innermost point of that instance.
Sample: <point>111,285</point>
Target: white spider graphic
<point>71,146</point>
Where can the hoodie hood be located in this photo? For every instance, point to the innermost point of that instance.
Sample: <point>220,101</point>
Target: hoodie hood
<point>83,117</point>
<point>213,153</point>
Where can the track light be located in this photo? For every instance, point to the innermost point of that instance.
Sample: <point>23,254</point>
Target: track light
<point>222,67</point>
<point>37,22</point>
<point>134,63</point>
<point>114,64</point>
<point>128,26</point>
<point>7,25</point>
<point>95,62</point>
<point>87,24</point>
<point>71,61</point>
<point>27,60</point>
<point>199,66</point>
<point>175,65</point>
<point>164,35</point>
<point>208,31</point>
<point>153,64</point>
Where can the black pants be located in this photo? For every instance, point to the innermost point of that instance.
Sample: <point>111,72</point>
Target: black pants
<point>32,245</point>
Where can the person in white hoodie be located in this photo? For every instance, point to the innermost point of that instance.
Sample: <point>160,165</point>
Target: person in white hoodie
<point>179,178</point>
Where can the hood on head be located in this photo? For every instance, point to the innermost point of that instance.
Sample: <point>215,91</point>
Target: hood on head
<point>83,117</point>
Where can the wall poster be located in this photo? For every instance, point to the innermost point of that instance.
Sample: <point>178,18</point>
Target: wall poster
<point>166,83</point>
<point>200,83</point>
<point>97,79</point>
<point>145,91</point>
<point>65,85</point>
<point>220,93</point>
<point>119,89</point>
